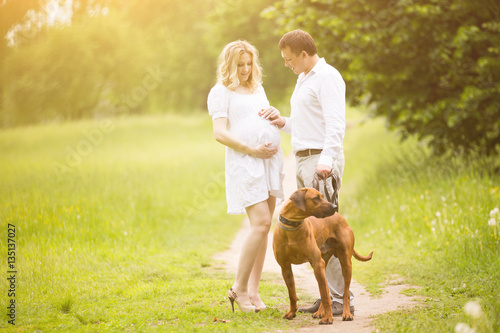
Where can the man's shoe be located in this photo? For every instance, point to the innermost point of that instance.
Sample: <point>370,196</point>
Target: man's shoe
<point>314,308</point>
<point>337,309</point>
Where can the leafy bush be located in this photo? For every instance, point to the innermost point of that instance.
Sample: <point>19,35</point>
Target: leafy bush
<point>431,67</point>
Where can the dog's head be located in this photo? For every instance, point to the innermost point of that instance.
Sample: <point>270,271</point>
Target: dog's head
<point>309,202</point>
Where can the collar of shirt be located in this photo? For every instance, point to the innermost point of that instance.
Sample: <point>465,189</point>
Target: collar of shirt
<point>321,62</point>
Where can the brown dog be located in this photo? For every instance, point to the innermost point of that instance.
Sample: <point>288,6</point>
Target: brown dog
<point>309,230</point>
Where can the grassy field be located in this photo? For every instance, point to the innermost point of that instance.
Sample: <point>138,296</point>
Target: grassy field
<point>116,222</point>
<point>433,222</point>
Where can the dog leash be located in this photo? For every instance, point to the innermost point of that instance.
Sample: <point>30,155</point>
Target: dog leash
<point>334,199</point>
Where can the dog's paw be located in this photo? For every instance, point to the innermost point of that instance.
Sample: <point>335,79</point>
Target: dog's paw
<point>317,315</point>
<point>289,315</point>
<point>347,317</point>
<point>326,321</point>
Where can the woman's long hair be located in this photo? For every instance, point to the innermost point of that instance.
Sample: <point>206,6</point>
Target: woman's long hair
<point>227,71</point>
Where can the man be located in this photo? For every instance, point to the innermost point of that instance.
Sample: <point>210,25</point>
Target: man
<point>317,128</point>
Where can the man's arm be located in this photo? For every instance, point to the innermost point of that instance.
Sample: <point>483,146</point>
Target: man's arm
<point>332,98</point>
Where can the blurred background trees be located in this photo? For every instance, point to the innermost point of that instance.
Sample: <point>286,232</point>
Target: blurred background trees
<point>431,68</point>
<point>64,60</point>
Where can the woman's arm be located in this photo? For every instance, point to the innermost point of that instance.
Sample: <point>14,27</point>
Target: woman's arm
<point>223,136</point>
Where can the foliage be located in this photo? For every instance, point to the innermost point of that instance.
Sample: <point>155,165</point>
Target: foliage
<point>175,33</point>
<point>116,57</point>
<point>11,13</point>
<point>69,72</point>
<point>432,68</point>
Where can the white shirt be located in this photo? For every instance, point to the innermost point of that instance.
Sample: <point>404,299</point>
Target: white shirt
<point>317,119</point>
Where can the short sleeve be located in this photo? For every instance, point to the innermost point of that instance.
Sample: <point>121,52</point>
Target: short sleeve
<point>218,101</point>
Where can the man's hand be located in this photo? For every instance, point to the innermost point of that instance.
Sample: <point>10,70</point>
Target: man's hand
<point>273,115</point>
<point>324,170</point>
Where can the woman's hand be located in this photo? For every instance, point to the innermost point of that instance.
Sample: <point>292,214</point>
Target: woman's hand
<point>272,114</point>
<point>264,151</point>
<point>223,136</point>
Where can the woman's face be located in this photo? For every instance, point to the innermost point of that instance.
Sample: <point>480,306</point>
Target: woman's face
<point>244,67</point>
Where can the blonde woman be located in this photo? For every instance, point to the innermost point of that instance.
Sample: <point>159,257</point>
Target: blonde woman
<point>254,161</point>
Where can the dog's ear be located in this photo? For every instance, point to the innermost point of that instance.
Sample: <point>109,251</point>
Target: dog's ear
<point>299,199</point>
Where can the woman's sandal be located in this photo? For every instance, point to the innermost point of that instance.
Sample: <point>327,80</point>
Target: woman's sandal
<point>234,298</point>
<point>257,308</point>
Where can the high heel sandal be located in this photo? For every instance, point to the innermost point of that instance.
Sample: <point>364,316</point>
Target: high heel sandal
<point>257,309</point>
<point>262,308</point>
<point>234,298</point>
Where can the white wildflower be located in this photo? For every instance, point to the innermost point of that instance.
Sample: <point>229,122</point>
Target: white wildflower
<point>494,212</point>
<point>473,309</point>
<point>463,328</point>
<point>492,222</point>
<point>438,214</point>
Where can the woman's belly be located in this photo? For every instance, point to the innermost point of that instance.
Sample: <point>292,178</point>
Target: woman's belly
<point>255,131</point>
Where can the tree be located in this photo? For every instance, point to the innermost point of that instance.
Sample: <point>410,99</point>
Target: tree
<point>67,72</point>
<point>12,12</point>
<point>432,68</point>
<point>175,30</point>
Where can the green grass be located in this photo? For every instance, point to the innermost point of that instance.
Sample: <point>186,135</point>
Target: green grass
<point>426,218</point>
<point>119,235</point>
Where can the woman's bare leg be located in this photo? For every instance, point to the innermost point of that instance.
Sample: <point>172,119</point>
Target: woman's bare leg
<point>260,222</point>
<point>255,275</point>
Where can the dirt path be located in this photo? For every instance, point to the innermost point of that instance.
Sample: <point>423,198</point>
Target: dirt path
<point>366,306</point>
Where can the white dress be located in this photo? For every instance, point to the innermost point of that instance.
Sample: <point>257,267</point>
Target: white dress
<point>249,180</point>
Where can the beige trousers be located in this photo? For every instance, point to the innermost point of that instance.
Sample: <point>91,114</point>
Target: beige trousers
<point>306,167</point>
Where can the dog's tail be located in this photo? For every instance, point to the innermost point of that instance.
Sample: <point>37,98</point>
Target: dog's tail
<point>362,258</point>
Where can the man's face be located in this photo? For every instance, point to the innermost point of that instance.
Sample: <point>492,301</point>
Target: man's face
<point>295,62</point>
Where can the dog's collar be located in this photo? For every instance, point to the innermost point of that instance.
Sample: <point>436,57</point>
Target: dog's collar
<point>291,224</point>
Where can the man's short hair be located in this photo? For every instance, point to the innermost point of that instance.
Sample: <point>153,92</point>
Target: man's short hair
<point>298,41</point>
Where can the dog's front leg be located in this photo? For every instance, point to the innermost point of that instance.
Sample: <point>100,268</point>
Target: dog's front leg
<point>286,271</point>
<point>325,310</point>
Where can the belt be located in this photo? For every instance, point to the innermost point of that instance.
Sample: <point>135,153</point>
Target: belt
<point>308,152</point>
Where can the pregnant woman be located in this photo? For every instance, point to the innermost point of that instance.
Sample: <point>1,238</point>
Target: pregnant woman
<point>254,161</point>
